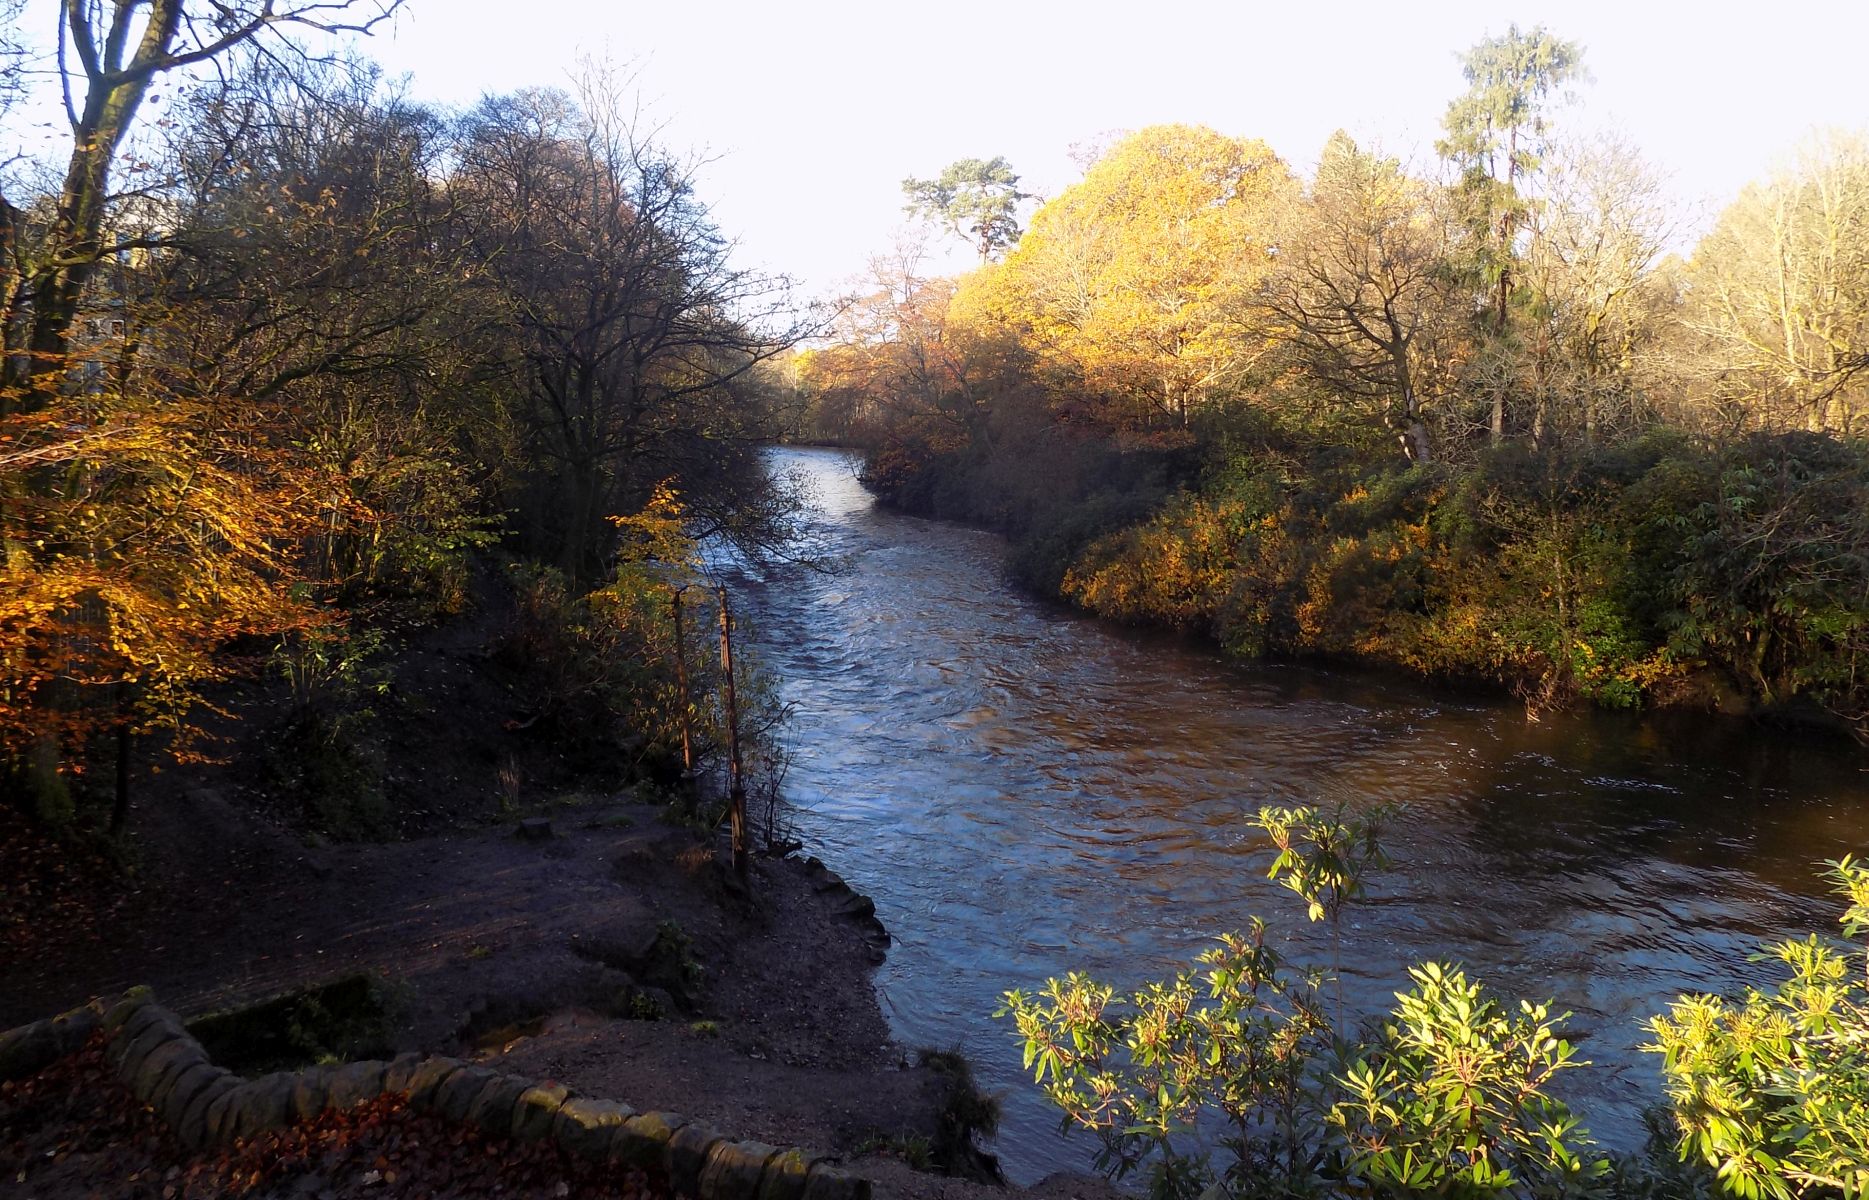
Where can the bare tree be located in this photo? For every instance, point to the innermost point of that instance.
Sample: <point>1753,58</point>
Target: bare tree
<point>1361,290</point>
<point>110,54</point>
<point>637,341</point>
<point>1778,294</point>
<point>1597,233</point>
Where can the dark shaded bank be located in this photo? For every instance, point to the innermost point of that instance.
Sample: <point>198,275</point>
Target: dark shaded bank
<point>521,891</point>
<point>615,958</point>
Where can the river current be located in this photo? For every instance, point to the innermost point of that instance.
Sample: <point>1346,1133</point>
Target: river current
<point>1025,791</point>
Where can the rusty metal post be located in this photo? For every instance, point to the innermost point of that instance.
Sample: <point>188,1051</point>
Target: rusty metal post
<point>736,790</point>
<point>681,683</point>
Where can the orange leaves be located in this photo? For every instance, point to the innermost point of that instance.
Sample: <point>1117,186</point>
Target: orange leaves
<point>142,532</point>
<point>75,1130</point>
<point>1179,569</point>
<point>657,534</point>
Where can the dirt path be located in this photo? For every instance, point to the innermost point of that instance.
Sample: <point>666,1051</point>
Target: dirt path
<point>486,930</point>
<point>523,952</point>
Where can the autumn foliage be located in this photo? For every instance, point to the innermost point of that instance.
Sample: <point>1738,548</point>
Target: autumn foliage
<point>1473,423</point>
<point>286,353</point>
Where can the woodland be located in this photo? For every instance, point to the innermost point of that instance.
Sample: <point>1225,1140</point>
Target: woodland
<point>1484,415</point>
<point>295,366</point>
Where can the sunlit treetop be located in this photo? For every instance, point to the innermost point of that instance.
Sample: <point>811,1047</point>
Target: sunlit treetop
<point>978,199</point>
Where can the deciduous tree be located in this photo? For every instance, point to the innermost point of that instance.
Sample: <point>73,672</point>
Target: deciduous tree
<point>634,341</point>
<point>1134,276</point>
<point>1778,295</point>
<point>1361,290</point>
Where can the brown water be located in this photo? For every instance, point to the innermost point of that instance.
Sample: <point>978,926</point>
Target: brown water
<point>1025,791</point>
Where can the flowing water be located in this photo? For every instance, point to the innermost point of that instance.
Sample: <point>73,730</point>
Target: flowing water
<point>1025,791</point>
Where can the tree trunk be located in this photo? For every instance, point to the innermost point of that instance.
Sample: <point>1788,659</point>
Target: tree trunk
<point>1410,430</point>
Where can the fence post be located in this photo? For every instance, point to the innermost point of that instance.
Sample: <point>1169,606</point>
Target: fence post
<point>681,683</point>
<point>736,790</point>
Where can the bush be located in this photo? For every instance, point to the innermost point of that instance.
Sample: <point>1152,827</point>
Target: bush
<point>1769,1095</point>
<point>327,756</point>
<point>1772,1090</point>
<point>1654,570</point>
<point>1451,1098</point>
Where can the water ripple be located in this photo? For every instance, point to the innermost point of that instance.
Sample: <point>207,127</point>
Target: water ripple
<point>1025,792</point>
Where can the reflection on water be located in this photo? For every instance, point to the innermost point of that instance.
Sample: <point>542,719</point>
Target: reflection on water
<point>1025,791</point>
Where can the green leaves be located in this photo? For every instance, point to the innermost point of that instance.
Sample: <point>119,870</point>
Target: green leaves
<point>1451,1097</point>
<point>1772,1091</point>
<point>1324,860</point>
<point>1235,1034</point>
<point>977,198</point>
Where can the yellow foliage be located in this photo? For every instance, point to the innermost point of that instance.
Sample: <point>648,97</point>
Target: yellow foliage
<point>1136,278</point>
<point>141,536</point>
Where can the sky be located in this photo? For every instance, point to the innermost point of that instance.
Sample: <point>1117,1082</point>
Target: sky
<point>809,113</point>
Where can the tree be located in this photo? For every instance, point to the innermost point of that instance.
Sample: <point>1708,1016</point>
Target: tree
<point>1594,243</point>
<point>1134,277</point>
<point>1496,139</point>
<point>1778,295</point>
<point>1360,289</point>
<point>13,55</point>
<point>631,342</point>
<point>118,60</point>
<point>978,199</point>
<point>896,360</point>
<point>142,522</point>
<point>323,291</point>
<point>1497,129</point>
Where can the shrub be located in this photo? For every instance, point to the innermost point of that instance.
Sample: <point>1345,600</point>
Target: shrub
<point>1236,1035</point>
<point>1451,1098</point>
<point>1772,1090</point>
<point>1448,1097</point>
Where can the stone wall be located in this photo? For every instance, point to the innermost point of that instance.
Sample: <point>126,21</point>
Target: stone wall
<point>205,1105</point>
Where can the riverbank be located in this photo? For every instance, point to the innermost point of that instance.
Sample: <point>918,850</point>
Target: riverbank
<point>1026,792</point>
<point>497,946</point>
<point>608,950</point>
<point>1602,579</point>
<point>541,957</point>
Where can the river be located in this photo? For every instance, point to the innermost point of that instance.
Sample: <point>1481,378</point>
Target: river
<point>1025,791</point>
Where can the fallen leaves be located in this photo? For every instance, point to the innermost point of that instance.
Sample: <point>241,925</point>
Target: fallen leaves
<point>73,1130</point>
<point>56,893</point>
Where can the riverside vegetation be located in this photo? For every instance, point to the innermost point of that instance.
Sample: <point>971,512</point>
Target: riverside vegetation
<point>355,460</point>
<point>299,373</point>
<point>1239,1074</point>
<point>1471,418</point>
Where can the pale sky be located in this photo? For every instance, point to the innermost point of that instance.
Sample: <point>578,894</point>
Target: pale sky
<point>812,111</point>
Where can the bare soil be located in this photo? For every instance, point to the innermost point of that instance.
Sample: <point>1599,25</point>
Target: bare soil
<point>485,932</point>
